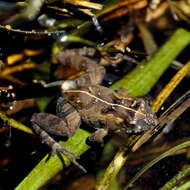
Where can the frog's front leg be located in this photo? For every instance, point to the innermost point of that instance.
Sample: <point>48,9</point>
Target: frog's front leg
<point>65,124</point>
<point>98,135</point>
<point>102,123</point>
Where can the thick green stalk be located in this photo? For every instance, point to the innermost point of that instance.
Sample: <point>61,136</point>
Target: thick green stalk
<point>49,167</point>
<point>140,80</point>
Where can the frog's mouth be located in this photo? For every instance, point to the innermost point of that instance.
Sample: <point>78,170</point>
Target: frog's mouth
<point>135,129</point>
<point>141,125</point>
<point>138,126</point>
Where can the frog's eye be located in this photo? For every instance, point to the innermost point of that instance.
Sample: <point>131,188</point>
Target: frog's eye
<point>139,128</point>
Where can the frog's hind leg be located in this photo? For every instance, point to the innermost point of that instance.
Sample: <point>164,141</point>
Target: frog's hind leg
<point>65,124</point>
<point>56,147</point>
<point>94,73</point>
<point>69,114</point>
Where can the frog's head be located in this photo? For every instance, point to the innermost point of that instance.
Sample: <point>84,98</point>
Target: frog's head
<point>143,118</point>
<point>139,125</point>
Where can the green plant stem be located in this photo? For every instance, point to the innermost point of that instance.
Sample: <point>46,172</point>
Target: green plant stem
<point>185,186</point>
<point>176,179</point>
<point>112,170</point>
<point>15,124</point>
<point>115,185</point>
<point>116,164</point>
<point>135,81</point>
<point>48,168</point>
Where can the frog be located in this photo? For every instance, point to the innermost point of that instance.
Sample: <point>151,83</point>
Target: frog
<point>85,100</point>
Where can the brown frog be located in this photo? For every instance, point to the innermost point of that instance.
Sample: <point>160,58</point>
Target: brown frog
<point>83,99</point>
